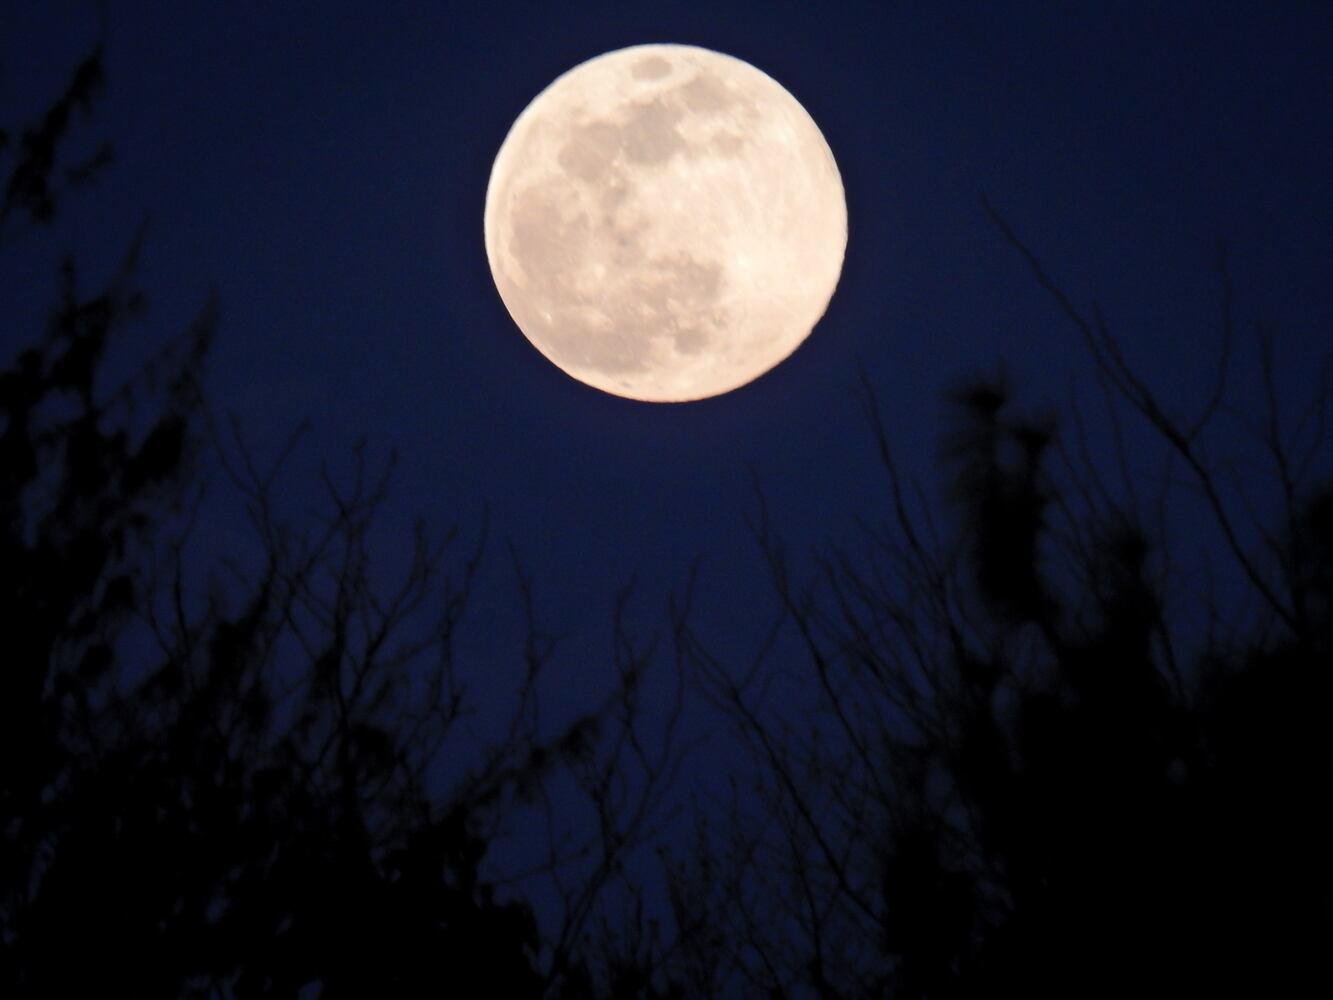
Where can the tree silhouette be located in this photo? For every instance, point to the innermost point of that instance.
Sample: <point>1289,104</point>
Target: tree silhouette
<point>1027,769</point>
<point>1029,766</point>
<point>230,792</point>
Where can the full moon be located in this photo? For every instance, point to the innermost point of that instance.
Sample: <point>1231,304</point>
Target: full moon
<point>665,223</point>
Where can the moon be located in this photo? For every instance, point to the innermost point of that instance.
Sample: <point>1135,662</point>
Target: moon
<point>665,223</point>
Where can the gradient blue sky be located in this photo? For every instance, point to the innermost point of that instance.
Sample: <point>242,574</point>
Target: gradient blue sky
<point>324,166</point>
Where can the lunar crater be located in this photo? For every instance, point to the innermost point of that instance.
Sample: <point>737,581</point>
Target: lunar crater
<point>652,68</point>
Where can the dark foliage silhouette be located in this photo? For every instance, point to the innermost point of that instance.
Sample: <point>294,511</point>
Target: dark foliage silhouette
<point>1029,769</point>
<point>1030,766</point>
<point>165,831</point>
<point>37,176</point>
<point>226,790</point>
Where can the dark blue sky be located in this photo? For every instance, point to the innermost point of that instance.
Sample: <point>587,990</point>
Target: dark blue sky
<point>324,166</point>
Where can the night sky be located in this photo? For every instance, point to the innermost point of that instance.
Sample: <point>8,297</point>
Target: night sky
<point>324,167</point>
